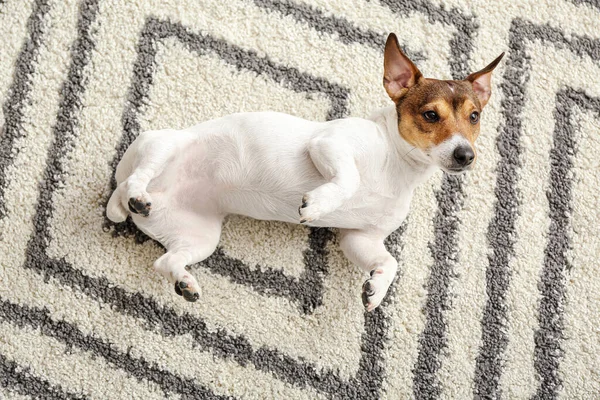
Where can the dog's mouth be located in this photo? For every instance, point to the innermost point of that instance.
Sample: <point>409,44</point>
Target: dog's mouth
<point>456,170</point>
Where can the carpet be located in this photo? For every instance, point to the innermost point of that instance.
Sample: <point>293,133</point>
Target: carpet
<point>498,290</point>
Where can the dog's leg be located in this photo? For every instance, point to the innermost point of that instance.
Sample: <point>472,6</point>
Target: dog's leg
<point>335,162</point>
<point>195,240</point>
<point>367,250</point>
<point>152,159</point>
<point>172,265</point>
<point>114,209</point>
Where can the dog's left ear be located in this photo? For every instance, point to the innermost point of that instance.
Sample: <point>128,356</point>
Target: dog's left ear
<point>482,81</point>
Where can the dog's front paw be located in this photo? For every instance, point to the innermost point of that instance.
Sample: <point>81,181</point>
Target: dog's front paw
<point>310,210</point>
<point>140,205</point>
<point>374,290</point>
<point>188,288</point>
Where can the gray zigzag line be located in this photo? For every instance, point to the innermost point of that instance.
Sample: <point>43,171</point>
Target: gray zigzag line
<point>346,32</point>
<point>501,231</point>
<point>46,266</point>
<point>307,290</point>
<point>549,334</point>
<point>461,44</point>
<point>449,200</point>
<point>364,385</point>
<point>18,93</point>
<point>63,134</point>
<point>593,3</point>
<point>444,250</point>
<point>71,336</point>
<point>19,379</point>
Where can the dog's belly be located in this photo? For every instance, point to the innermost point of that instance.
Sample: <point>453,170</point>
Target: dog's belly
<point>269,195</point>
<point>267,204</point>
<point>367,211</point>
<point>263,173</point>
<point>359,212</point>
<point>276,194</point>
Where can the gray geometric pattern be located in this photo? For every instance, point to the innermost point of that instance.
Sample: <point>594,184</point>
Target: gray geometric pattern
<point>308,289</point>
<point>310,292</point>
<point>501,229</point>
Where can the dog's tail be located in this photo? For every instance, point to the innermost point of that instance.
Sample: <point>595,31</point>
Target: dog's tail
<point>114,209</point>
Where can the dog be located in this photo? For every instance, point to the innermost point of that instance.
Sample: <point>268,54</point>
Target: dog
<point>357,175</point>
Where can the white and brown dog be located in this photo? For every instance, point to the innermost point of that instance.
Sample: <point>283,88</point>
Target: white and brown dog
<point>354,174</point>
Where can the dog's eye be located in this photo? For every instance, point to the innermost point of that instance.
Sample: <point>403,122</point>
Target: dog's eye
<point>431,116</point>
<point>474,117</point>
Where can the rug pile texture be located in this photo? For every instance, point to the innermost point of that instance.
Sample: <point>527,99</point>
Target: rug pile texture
<point>498,290</point>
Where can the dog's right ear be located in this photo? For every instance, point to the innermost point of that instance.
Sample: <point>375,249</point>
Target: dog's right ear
<point>399,72</point>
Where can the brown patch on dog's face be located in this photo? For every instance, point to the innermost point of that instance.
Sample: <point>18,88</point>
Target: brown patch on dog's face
<point>440,118</point>
<point>432,111</point>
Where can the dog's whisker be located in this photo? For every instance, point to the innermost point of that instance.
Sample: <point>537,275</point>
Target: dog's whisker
<point>407,153</point>
<point>414,147</point>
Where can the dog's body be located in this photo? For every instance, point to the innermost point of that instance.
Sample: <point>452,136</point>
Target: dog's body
<point>354,174</point>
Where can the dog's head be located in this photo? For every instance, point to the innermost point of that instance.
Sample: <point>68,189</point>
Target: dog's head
<point>439,118</point>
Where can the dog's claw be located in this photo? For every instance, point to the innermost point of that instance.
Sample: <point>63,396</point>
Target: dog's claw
<point>309,210</point>
<point>368,288</point>
<point>138,206</point>
<point>133,210</point>
<point>365,300</point>
<point>184,289</point>
<point>370,298</point>
<point>191,297</point>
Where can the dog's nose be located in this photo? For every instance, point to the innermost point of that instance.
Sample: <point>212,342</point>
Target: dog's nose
<point>464,155</point>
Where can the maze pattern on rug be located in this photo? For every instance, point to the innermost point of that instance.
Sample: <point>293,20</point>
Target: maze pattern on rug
<point>498,289</point>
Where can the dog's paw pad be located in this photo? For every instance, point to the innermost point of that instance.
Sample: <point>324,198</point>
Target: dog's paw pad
<point>372,294</point>
<point>187,290</point>
<point>139,206</point>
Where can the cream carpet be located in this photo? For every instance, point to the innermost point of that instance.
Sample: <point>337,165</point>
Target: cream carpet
<point>498,294</point>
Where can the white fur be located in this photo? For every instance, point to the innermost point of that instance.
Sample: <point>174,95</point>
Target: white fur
<point>443,154</point>
<point>354,174</point>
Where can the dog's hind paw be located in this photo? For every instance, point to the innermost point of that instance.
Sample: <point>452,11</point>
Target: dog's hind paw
<point>188,289</point>
<point>140,205</point>
<point>309,210</point>
<point>373,291</point>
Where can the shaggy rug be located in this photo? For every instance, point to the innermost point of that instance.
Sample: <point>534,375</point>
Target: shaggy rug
<point>498,291</point>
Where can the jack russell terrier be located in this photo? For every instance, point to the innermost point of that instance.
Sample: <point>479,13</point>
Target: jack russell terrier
<point>354,174</point>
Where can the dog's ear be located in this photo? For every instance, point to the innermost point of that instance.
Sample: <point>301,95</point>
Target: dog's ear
<point>482,81</point>
<point>399,72</point>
